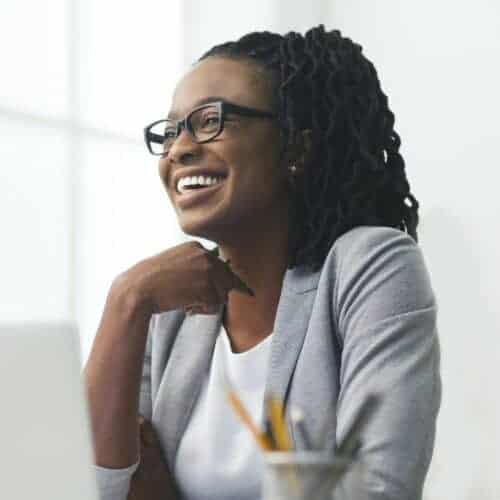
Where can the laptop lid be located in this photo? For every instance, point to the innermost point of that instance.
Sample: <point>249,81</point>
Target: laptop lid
<point>44,426</point>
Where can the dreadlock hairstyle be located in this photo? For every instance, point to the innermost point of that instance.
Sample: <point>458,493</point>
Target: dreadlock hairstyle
<point>325,84</point>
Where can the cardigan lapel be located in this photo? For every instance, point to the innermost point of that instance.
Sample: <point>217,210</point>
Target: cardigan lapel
<point>187,368</point>
<point>292,317</point>
<point>192,351</point>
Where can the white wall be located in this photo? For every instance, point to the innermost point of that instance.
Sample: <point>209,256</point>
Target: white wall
<point>218,21</point>
<point>439,64</point>
<point>129,62</point>
<point>80,197</point>
<point>35,260</point>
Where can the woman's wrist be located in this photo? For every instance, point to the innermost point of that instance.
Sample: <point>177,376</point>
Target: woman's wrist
<point>130,299</point>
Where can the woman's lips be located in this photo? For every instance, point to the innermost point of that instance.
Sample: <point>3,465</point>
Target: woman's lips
<point>194,196</point>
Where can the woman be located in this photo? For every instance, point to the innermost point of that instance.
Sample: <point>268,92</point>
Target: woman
<point>282,151</point>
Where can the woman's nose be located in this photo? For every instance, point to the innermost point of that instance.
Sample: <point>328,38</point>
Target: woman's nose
<point>184,148</point>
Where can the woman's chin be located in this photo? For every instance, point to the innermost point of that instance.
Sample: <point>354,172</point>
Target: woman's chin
<point>204,227</point>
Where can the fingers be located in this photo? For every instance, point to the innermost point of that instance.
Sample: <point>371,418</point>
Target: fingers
<point>240,285</point>
<point>228,279</point>
<point>147,432</point>
<point>202,309</point>
<point>222,279</point>
<point>153,470</point>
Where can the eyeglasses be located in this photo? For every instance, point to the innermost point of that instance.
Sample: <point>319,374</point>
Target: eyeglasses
<point>203,124</point>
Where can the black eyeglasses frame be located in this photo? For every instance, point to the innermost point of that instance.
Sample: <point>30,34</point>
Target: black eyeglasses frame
<point>223,108</point>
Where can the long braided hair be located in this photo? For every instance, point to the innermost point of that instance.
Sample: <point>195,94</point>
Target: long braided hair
<point>325,84</point>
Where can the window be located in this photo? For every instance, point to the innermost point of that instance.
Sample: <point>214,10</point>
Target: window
<point>80,197</point>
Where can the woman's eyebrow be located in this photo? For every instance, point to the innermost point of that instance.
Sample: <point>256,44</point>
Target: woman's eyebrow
<point>173,115</point>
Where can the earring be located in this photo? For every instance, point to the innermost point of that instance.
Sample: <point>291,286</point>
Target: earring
<point>292,178</point>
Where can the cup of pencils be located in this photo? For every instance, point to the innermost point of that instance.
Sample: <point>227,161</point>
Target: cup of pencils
<point>301,475</point>
<point>309,474</point>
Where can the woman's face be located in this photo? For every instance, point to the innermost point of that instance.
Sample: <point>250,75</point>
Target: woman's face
<point>254,193</point>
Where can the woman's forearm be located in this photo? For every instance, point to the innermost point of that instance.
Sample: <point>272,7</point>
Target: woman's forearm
<point>112,378</point>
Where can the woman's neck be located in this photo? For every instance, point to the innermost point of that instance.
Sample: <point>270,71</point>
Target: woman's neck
<point>259,256</point>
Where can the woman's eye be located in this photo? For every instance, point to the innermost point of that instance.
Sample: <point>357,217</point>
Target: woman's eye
<point>210,120</point>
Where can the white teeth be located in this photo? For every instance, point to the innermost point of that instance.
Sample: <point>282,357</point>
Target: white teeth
<point>201,180</point>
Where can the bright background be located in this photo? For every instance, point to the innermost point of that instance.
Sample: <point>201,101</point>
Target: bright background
<point>80,199</point>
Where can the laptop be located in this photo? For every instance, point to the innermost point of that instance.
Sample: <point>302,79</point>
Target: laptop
<point>46,451</point>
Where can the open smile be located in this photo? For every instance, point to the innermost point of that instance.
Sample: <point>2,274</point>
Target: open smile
<point>194,196</point>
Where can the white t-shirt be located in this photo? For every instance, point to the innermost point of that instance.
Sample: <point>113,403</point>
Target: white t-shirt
<point>217,458</point>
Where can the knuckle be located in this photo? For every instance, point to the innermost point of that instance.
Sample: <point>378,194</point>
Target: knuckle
<point>197,246</point>
<point>192,247</point>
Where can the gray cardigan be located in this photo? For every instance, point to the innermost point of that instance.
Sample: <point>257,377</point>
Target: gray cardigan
<point>365,322</point>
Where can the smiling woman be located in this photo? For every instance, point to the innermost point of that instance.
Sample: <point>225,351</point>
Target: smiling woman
<point>282,151</point>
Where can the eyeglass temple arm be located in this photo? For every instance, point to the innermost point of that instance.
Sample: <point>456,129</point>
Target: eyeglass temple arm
<point>154,137</point>
<point>241,110</point>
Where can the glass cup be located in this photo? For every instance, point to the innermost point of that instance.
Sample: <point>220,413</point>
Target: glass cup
<point>305,475</point>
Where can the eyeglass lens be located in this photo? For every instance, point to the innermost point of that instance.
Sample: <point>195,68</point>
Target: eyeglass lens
<point>202,124</point>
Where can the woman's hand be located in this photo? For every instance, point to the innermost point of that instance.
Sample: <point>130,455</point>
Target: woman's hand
<point>187,276</point>
<point>152,479</point>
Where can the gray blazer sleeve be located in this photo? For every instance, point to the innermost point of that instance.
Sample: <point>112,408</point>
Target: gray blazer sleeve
<point>145,395</point>
<point>386,325</point>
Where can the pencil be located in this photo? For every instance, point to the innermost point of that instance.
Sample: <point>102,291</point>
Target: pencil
<point>283,442</point>
<point>278,425</point>
<point>240,410</point>
<point>298,421</point>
